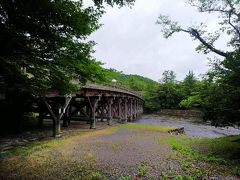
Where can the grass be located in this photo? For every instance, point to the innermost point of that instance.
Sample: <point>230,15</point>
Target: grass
<point>124,178</point>
<point>142,169</point>
<point>96,176</point>
<point>147,127</point>
<point>222,152</point>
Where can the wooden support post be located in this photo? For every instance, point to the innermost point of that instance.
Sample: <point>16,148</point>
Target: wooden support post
<point>135,109</point>
<point>120,109</point>
<point>40,119</point>
<point>93,118</point>
<point>66,118</point>
<point>57,115</point>
<point>131,110</point>
<point>102,112</point>
<point>142,107</point>
<point>110,102</point>
<point>93,104</point>
<point>69,114</point>
<point>125,110</point>
<point>57,124</point>
<point>89,113</point>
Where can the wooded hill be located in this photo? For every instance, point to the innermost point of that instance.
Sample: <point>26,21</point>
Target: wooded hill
<point>146,86</point>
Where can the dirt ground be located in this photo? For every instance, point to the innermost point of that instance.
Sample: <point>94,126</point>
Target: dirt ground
<point>130,151</point>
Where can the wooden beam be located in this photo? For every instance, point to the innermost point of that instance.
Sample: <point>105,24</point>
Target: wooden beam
<point>125,110</point>
<point>120,109</point>
<point>93,102</point>
<point>58,114</point>
<point>110,102</point>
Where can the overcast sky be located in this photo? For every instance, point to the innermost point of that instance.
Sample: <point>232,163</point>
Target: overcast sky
<point>131,41</point>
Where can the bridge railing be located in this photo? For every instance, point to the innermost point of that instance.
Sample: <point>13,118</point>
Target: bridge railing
<point>114,87</point>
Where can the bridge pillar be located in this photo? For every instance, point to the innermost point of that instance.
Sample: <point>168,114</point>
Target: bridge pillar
<point>131,109</point>
<point>57,109</point>
<point>120,109</point>
<point>102,112</point>
<point>135,108</point>
<point>89,113</point>
<point>40,118</point>
<point>93,104</point>
<point>110,102</point>
<point>125,110</point>
<point>66,117</point>
<point>57,127</point>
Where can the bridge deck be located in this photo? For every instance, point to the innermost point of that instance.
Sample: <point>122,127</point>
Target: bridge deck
<point>114,88</point>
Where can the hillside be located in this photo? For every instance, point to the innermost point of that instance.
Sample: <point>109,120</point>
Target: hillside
<point>148,87</point>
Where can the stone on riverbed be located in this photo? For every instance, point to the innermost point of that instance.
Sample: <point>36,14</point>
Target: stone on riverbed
<point>178,131</point>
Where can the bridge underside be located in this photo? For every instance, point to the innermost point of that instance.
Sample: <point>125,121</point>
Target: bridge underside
<point>90,105</point>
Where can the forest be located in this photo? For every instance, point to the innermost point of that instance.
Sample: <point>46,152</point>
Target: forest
<point>214,97</point>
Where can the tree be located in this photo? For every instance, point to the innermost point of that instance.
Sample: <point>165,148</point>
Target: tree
<point>189,88</point>
<point>220,93</point>
<point>169,95</point>
<point>44,43</point>
<point>189,84</point>
<point>120,3</point>
<point>44,47</point>
<point>168,76</point>
<point>229,15</point>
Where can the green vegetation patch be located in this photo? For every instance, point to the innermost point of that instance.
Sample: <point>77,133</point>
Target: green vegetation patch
<point>219,152</point>
<point>142,169</point>
<point>148,127</point>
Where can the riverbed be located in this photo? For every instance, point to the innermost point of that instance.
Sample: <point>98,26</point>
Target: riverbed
<point>192,126</point>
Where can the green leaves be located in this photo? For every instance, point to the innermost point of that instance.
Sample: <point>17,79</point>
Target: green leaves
<point>120,3</point>
<point>168,27</point>
<point>48,39</point>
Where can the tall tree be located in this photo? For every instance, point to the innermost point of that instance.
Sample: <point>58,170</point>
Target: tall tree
<point>44,47</point>
<point>224,108</point>
<point>188,85</point>
<point>44,43</point>
<point>168,76</point>
<point>168,92</point>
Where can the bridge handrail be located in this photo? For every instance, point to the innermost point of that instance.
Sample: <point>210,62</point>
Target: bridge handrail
<point>115,88</point>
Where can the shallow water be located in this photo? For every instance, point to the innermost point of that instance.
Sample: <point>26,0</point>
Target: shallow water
<point>192,126</point>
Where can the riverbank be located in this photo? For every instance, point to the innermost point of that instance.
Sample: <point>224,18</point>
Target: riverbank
<point>127,151</point>
<point>193,126</point>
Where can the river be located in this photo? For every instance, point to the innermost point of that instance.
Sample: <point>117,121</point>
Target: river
<point>192,126</point>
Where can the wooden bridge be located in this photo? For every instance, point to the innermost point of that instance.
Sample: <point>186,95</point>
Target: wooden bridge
<point>91,103</point>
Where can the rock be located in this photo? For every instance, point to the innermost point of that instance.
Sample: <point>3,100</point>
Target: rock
<point>177,131</point>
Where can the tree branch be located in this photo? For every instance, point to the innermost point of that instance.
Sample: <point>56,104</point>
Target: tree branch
<point>219,10</point>
<point>234,27</point>
<point>196,34</point>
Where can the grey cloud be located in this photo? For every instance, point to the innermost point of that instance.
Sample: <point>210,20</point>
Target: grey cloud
<point>130,40</point>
